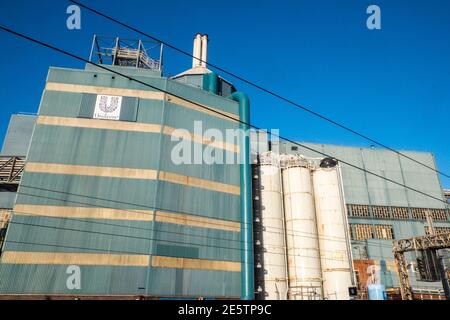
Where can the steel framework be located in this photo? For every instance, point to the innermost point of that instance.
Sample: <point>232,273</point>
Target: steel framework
<point>432,242</point>
<point>11,169</point>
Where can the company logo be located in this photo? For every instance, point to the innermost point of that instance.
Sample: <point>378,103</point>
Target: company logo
<point>108,104</point>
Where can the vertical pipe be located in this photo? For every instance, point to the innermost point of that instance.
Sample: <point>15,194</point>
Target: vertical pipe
<point>444,278</point>
<point>211,83</point>
<point>204,50</point>
<point>92,48</point>
<point>347,226</point>
<point>247,285</point>
<point>116,50</point>
<point>161,57</point>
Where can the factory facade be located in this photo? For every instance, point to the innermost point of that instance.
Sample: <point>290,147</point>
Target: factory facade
<point>93,204</point>
<point>102,210</point>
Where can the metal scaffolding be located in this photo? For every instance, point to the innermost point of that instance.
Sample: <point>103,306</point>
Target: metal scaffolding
<point>127,53</point>
<point>11,169</point>
<point>432,242</point>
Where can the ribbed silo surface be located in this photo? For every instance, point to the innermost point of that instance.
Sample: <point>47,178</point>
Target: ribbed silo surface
<point>302,244</point>
<point>106,196</point>
<point>275,275</point>
<point>332,232</point>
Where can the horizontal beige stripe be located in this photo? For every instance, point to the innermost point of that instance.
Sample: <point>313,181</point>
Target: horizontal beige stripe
<point>203,108</point>
<point>57,168</point>
<point>19,257</point>
<point>124,214</point>
<point>82,212</point>
<point>154,95</point>
<point>199,264</point>
<point>130,126</point>
<point>195,221</point>
<point>199,183</point>
<point>78,88</point>
<point>99,124</point>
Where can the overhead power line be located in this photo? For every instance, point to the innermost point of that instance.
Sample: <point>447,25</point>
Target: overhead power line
<point>261,88</point>
<point>212,110</point>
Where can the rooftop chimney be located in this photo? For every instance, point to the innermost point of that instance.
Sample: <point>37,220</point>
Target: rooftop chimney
<point>200,53</point>
<point>197,51</point>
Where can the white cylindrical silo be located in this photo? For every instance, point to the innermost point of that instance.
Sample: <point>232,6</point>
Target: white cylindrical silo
<point>304,268</point>
<point>333,234</point>
<point>275,277</point>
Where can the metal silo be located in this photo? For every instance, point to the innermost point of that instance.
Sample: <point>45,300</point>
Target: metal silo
<point>305,281</point>
<point>332,231</point>
<point>274,261</point>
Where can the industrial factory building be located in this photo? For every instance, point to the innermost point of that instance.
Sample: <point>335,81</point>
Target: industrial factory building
<point>93,204</point>
<point>101,199</point>
<point>339,222</point>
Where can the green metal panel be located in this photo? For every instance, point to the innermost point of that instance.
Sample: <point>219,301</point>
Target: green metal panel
<point>47,234</point>
<point>94,147</point>
<point>51,279</point>
<point>194,283</point>
<point>210,244</point>
<point>129,109</point>
<point>87,105</point>
<point>103,192</point>
<point>198,201</point>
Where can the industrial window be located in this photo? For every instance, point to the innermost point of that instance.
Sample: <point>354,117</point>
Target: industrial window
<point>380,212</point>
<point>438,230</point>
<point>400,213</point>
<point>383,231</point>
<point>359,210</point>
<point>294,148</point>
<point>418,213</point>
<point>438,214</point>
<point>361,231</point>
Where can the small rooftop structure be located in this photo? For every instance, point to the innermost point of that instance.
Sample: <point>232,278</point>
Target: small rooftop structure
<point>126,52</point>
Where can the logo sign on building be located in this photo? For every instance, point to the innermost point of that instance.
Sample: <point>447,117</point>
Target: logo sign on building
<point>107,107</point>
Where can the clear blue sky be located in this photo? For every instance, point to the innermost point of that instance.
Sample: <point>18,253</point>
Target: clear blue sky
<point>392,84</point>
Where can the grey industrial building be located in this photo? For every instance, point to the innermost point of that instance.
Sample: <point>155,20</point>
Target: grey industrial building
<point>380,211</point>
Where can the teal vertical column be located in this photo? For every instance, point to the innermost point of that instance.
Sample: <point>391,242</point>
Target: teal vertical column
<point>247,283</point>
<point>211,83</point>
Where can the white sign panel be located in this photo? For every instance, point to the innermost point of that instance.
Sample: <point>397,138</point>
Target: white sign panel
<point>107,107</point>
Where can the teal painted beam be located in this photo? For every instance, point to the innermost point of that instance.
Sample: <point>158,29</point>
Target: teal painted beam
<point>211,83</point>
<point>247,284</point>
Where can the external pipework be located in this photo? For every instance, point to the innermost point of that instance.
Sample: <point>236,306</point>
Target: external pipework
<point>211,82</point>
<point>247,264</point>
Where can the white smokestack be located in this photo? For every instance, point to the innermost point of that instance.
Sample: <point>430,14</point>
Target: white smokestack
<point>197,51</point>
<point>204,50</point>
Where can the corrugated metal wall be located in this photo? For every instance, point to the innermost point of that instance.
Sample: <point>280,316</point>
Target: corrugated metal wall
<point>364,189</point>
<point>107,193</point>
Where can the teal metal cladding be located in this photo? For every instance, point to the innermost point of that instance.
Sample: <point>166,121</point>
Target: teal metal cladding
<point>97,147</point>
